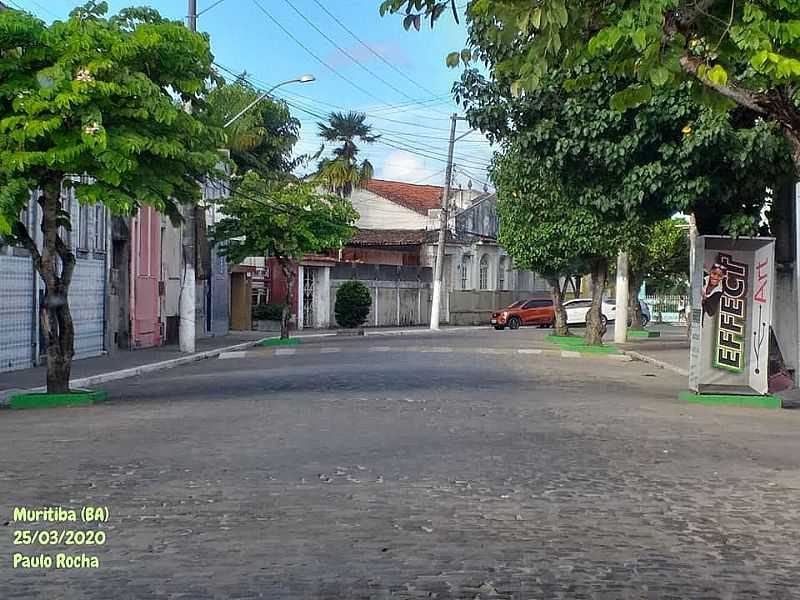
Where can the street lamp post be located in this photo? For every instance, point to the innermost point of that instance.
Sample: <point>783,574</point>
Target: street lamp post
<point>301,79</point>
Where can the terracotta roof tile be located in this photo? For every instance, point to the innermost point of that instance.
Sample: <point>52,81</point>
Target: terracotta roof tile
<point>419,198</point>
<point>388,237</point>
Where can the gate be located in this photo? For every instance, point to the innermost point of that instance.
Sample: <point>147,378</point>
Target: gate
<point>308,296</point>
<point>146,237</point>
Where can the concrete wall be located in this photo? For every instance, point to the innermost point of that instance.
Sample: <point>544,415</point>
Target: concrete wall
<point>401,296</point>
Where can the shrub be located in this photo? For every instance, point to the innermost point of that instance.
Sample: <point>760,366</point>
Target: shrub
<point>267,312</point>
<point>353,302</point>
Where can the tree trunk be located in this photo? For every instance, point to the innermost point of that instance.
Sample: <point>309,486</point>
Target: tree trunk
<point>55,264</point>
<point>595,329</point>
<point>634,308</point>
<point>560,326</point>
<point>286,315</point>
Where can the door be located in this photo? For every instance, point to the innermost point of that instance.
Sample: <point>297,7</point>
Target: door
<point>309,281</point>
<point>146,258</point>
<point>544,312</point>
<point>241,299</point>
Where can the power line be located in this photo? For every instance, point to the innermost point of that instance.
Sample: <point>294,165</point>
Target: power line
<point>347,54</point>
<point>205,10</point>
<point>314,55</point>
<point>370,49</point>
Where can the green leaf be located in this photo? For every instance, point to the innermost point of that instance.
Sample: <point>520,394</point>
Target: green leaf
<point>453,59</point>
<point>717,75</point>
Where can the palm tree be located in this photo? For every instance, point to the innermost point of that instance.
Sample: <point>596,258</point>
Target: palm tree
<point>343,172</point>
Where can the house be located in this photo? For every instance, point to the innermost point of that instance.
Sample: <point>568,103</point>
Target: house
<point>22,342</point>
<point>394,251</point>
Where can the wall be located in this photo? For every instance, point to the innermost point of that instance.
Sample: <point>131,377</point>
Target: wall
<point>400,294</point>
<point>17,310</point>
<point>376,212</point>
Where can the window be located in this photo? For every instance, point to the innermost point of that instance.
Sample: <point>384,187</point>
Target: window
<point>83,227</point>
<point>484,273</point>
<point>99,244</point>
<point>501,274</point>
<point>465,264</point>
<point>539,303</point>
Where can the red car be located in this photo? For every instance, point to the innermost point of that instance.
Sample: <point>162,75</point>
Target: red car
<point>533,311</point>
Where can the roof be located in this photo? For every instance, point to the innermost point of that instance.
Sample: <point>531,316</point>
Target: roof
<point>388,237</point>
<point>419,198</point>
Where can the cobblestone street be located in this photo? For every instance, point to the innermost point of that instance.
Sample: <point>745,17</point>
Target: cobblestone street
<point>355,468</point>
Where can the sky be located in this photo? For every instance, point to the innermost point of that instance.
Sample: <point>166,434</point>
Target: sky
<point>408,103</point>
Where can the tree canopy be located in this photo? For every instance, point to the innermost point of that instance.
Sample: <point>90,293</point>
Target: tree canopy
<point>102,97</point>
<point>343,172</point>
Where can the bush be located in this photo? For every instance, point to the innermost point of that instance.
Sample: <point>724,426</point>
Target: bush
<point>353,302</point>
<point>267,312</point>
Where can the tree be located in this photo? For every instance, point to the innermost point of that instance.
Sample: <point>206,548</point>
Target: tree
<point>261,139</point>
<point>740,53</point>
<point>545,230</point>
<point>283,219</point>
<point>102,97</point>
<point>343,172</point>
<point>353,302</point>
<point>659,256</point>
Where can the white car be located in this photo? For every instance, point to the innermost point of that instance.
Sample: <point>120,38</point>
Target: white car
<point>577,309</point>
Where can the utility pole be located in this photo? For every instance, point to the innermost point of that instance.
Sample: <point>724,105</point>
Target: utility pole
<point>621,318</point>
<point>438,267</point>
<point>186,330</point>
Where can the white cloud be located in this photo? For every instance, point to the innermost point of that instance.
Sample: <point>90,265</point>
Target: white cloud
<point>404,166</point>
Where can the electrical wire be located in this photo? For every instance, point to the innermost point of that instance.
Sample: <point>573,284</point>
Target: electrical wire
<point>313,54</point>
<point>347,54</point>
<point>370,49</point>
<point>205,10</point>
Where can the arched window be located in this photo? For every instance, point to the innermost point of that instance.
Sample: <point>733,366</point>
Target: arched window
<point>484,272</point>
<point>501,273</point>
<point>465,265</point>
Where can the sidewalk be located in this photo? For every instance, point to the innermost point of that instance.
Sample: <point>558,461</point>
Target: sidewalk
<point>123,360</point>
<point>671,349</point>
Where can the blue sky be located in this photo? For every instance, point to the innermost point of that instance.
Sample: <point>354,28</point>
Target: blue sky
<point>413,118</point>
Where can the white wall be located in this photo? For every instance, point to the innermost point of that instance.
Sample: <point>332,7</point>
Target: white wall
<point>377,212</point>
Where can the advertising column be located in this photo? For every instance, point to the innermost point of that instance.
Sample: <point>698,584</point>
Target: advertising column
<point>731,315</point>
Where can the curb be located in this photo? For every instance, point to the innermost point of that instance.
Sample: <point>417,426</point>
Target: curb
<point>92,380</point>
<point>656,363</point>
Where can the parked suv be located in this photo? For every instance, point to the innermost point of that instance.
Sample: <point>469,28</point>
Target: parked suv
<point>533,311</point>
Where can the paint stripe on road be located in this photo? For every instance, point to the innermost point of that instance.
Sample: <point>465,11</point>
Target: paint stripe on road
<point>529,351</point>
<point>491,351</point>
<point>380,349</point>
<point>440,349</point>
<point>329,350</point>
<point>570,354</point>
<point>285,351</point>
<point>239,354</point>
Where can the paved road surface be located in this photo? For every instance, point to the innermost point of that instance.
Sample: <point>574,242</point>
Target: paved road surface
<point>372,471</point>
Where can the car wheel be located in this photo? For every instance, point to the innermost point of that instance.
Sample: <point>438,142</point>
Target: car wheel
<point>603,320</point>
<point>499,327</point>
<point>514,323</point>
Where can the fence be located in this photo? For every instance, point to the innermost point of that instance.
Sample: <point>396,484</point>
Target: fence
<point>667,308</point>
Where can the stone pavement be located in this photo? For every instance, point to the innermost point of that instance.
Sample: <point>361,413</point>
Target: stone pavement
<point>413,475</point>
<point>116,361</point>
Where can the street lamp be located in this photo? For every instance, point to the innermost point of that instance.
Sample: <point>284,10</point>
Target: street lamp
<point>301,79</point>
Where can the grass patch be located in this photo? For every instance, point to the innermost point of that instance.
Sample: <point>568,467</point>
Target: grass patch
<point>590,349</point>
<point>45,400</point>
<point>280,342</point>
<point>732,399</point>
<point>564,339</point>
<point>642,333</point>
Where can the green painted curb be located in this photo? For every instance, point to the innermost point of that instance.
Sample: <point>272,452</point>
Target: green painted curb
<point>756,401</point>
<point>643,334</point>
<point>279,342</point>
<point>566,340</point>
<point>590,349</point>
<point>45,400</point>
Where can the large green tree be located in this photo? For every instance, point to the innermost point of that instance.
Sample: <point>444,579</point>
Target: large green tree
<point>544,229</point>
<point>263,138</point>
<point>102,97</point>
<point>742,54</point>
<point>343,172</point>
<point>286,220</point>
